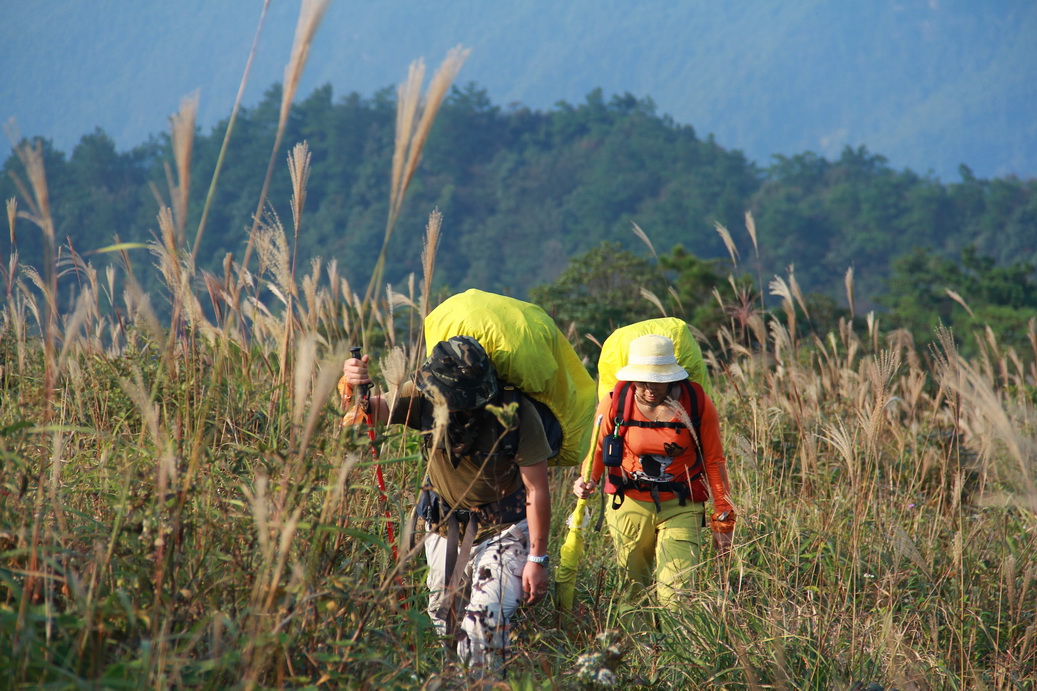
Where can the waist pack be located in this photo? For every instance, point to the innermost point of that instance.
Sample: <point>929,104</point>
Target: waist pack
<point>510,509</point>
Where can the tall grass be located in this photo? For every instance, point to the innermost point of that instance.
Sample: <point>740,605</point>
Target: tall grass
<point>179,506</point>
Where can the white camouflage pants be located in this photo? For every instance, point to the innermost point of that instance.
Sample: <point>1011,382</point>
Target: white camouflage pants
<point>489,600</point>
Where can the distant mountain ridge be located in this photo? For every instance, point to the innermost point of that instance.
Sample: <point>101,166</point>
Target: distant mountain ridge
<point>928,84</point>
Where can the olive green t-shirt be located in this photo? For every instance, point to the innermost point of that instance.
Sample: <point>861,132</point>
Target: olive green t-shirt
<point>475,482</point>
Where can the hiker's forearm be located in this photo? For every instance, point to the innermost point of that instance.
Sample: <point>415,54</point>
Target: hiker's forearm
<point>538,506</point>
<point>714,462</point>
<point>607,426</point>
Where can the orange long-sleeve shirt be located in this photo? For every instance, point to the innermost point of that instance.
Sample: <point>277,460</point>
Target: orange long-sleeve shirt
<point>674,445</point>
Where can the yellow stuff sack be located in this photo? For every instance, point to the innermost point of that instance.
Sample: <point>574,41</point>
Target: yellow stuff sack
<point>685,347</point>
<point>529,352</point>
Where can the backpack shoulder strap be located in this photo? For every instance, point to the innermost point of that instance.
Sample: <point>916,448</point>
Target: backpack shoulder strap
<point>694,393</point>
<point>509,444</point>
<point>622,410</point>
<point>622,407</point>
<point>693,406</point>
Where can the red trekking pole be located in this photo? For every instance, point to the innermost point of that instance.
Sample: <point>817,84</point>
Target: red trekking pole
<point>365,405</point>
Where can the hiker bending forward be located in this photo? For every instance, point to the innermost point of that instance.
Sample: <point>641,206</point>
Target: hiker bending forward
<point>486,503</point>
<point>657,472</point>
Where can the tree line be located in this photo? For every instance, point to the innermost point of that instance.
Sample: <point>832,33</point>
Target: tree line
<point>527,194</point>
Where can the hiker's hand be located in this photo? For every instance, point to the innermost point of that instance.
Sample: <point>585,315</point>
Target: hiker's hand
<point>354,371</point>
<point>583,489</point>
<point>534,583</point>
<point>722,541</point>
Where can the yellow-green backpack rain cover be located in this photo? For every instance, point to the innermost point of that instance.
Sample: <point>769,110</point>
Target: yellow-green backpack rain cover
<point>615,348</point>
<point>529,352</point>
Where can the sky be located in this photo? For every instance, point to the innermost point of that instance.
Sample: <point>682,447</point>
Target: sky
<point>763,76</point>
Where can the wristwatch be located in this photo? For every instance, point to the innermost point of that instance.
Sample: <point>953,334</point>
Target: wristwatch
<point>539,560</point>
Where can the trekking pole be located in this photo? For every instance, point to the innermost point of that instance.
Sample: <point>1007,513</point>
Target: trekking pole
<point>365,404</point>
<point>572,548</point>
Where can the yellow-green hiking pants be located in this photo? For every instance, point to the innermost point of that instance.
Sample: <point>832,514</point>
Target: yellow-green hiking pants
<point>660,547</point>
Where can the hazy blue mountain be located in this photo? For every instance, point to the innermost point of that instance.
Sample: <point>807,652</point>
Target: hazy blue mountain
<point>930,84</point>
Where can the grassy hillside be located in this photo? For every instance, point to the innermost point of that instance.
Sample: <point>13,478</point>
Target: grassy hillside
<point>179,506</point>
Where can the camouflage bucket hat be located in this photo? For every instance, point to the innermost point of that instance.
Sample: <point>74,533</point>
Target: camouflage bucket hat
<point>461,371</point>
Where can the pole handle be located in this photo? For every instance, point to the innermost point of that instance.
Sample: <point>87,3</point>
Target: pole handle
<point>364,389</point>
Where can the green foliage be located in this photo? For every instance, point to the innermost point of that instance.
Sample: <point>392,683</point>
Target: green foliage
<point>1003,297</point>
<point>523,192</point>
<point>694,281</point>
<point>601,291</point>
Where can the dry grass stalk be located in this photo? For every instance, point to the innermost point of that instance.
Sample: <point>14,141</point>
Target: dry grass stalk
<point>782,340</point>
<point>310,15</point>
<point>305,359</point>
<point>1031,333</point>
<point>961,301</point>
<point>1000,439</point>
<point>333,499</point>
<point>440,417</point>
<point>226,136</point>
<point>85,308</point>
<point>428,258</point>
<point>873,330</point>
<point>654,299</point>
<point>408,99</point>
<point>779,287</point>
<point>274,258</point>
<point>757,327</point>
<point>299,170</point>
<point>181,129</point>
<point>394,369</point>
<point>413,123</point>
<point>879,374</point>
<point>167,230</point>
<point>316,301</point>
<point>39,213</point>
<point>12,214</point>
<point>390,320</point>
<point>141,313</point>
<point>34,278</point>
<point>796,292</point>
<point>845,444</point>
<point>643,237</point>
<point>848,281</point>
<point>399,299</point>
<point>729,243</point>
<point>178,279</point>
<point>676,299</point>
<point>438,88</point>
<point>750,225</point>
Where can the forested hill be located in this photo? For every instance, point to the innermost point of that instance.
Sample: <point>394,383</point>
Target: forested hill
<point>524,191</point>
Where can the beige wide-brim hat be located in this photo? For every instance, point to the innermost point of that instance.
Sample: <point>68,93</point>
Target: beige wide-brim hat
<point>651,360</point>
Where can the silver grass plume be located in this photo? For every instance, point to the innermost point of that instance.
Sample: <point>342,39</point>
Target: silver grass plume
<point>181,130</point>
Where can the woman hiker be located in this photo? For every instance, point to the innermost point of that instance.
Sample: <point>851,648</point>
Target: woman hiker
<point>659,450</point>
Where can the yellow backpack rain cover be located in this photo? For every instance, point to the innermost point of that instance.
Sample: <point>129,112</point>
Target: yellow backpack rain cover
<point>685,347</point>
<point>530,353</point>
